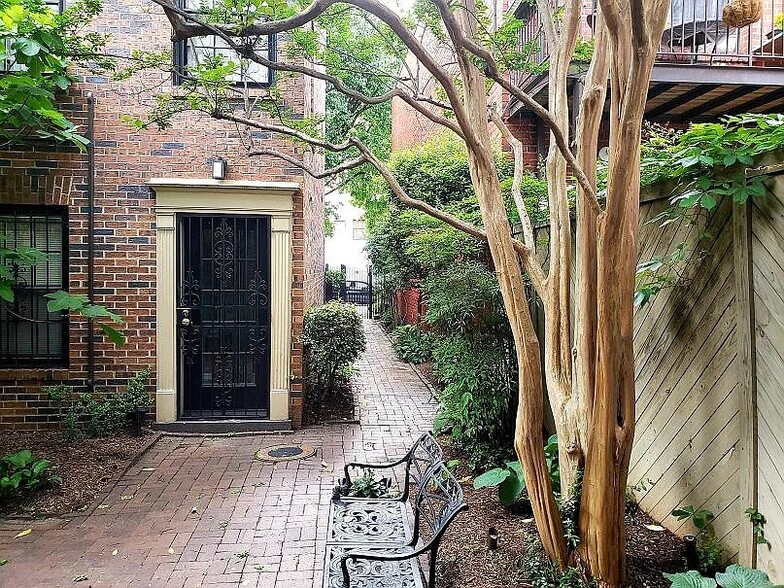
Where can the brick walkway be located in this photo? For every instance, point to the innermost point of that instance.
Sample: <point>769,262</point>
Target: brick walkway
<point>202,512</point>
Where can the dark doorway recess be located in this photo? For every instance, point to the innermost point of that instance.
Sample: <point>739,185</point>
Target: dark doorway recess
<point>223,316</point>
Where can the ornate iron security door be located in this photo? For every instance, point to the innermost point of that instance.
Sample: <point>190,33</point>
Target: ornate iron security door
<point>224,316</point>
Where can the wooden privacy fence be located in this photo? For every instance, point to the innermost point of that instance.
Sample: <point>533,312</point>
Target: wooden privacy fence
<point>709,366</point>
<point>709,361</point>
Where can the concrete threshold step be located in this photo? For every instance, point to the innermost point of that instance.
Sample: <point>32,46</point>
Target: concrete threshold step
<point>216,427</point>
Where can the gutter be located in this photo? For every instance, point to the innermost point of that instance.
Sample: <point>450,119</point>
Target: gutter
<point>90,383</point>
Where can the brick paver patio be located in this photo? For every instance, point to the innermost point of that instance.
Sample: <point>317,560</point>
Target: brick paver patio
<point>200,511</point>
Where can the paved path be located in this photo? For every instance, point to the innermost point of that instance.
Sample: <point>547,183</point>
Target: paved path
<point>202,512</point>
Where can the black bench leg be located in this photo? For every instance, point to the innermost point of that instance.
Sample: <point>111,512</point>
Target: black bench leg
<point>431,583</point>
<point>344,569</point>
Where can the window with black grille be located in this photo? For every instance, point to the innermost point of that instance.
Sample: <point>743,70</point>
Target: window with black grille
<point>8,63</point>
<point>201,50</point>
<point>31,336</point>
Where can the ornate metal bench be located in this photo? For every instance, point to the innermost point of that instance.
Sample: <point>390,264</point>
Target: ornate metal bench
<point>373,543</point>
<point>357,520</point>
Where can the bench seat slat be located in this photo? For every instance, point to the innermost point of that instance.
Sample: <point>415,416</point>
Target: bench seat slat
<point>366,521</point>
<point>371,574</point>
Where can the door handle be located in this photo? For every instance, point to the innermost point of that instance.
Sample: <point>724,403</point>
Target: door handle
<point>186,322</point>
<point>186,317</point>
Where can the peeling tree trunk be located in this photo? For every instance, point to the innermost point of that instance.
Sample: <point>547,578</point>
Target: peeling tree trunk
<point>530,412</point>
<point>632,32</point>
<point>557,303</point>
<point>588,124</point>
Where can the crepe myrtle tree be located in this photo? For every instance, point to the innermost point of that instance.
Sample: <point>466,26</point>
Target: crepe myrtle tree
<point>588,366</point>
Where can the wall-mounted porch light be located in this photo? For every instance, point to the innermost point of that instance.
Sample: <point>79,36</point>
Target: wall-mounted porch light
<point>219,168</point>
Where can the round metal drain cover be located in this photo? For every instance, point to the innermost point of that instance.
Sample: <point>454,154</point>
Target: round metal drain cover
<point>285,452</point>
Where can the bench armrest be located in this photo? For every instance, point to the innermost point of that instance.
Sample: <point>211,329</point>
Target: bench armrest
<point>380,466</point>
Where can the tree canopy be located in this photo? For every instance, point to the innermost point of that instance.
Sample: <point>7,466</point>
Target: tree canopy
<point>38,47</point>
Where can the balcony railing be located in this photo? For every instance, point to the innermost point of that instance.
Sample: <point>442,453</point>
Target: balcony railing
<point>694,34</point>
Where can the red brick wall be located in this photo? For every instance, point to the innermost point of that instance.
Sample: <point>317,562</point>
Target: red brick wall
<point>124,221</point>
<point>525,128</point>
<point>409,128</point>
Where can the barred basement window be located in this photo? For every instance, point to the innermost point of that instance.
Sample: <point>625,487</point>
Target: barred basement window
<point>200,50</point>
<point>31,336</point>
<point>8,63</point>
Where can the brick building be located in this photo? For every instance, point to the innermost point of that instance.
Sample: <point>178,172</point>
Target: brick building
<point>212,276</point>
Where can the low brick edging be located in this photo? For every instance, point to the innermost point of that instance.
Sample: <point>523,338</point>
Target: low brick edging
<point>119,475</point>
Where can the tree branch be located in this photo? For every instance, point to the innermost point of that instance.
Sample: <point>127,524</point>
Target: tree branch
<point>517,180</point>
<point>319,175</point>
<point>525,253</point>
<point>228,36</point>
<point>493,73</point>
<point>184,27</point>
<point>288,131</point>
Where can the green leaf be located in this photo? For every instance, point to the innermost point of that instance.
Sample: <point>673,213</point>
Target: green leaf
<point>27,46</point>
<point>40,466</point>
<point>516,468</point>
<point>690,579</point>
<point>511,488</point>
<point>113,334</point>
<point>702,518</point>
<point>708,201</point>
<point>492,477</point>
<point>738,576</point>
<point>683,513</point>
<point>6,293</point>
<point>61,300</point>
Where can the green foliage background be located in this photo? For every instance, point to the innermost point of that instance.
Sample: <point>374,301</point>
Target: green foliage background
<point>465,329</point>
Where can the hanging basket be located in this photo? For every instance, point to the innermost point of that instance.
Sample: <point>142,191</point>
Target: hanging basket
<point>741,13</point>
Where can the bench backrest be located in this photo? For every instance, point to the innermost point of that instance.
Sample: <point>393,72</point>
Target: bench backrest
<point>440,498</point>
<point>424,454</point>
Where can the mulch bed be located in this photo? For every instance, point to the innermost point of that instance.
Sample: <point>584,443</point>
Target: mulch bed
<point>86,467</point>
<point>466,562</point>
<point>336,408</point>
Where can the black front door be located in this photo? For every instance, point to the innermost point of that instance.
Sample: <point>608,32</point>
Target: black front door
<point>223,316</point>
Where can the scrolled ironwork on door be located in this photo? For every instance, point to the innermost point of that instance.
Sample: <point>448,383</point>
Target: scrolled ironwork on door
<point>224,316</point>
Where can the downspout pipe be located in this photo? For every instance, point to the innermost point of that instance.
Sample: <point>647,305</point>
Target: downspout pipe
<point>90,383</point>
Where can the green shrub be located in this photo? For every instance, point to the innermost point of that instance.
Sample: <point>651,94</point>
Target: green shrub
<point>478,402</point>
<point>333,339</point>
<point>710,552</point>
<point>99,415</point>
<point>21,473</point>
<point>465,299</point>
<point>368,486</point>
<point>542,572</point>
<point>412,344</point>
<point>335,278</point>
<point>510,479</point>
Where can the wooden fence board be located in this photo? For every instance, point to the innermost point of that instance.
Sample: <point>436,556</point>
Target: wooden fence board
<point>767,228</point>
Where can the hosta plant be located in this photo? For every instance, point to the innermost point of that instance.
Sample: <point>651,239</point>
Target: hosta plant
<point>510,481</point>
<point>21,473</point>
<point>736,576</point>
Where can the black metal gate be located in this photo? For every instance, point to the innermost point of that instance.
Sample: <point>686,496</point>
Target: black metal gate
<point>353,285</point>
<point>223,316</point>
